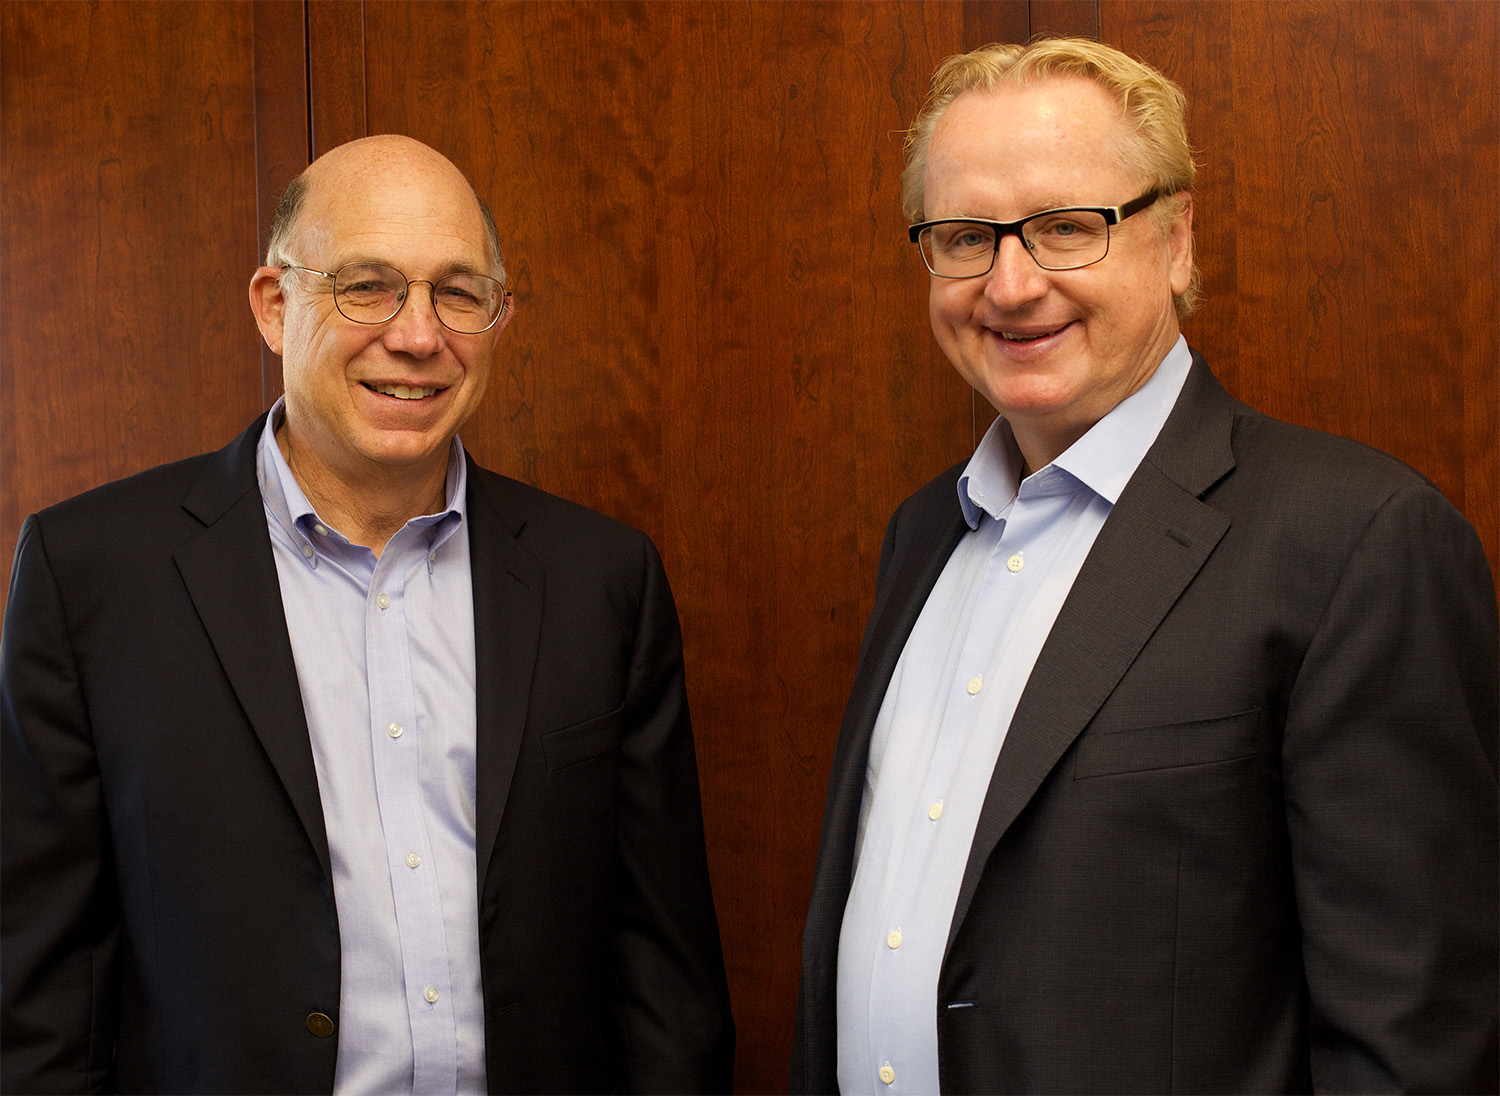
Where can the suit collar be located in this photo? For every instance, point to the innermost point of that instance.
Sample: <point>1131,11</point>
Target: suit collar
<point>230,574</point>
<point>508,585</point>
<point>1153,544</point>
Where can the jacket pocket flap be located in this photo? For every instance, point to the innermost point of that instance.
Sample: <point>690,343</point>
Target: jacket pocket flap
<point>582,741</point>
<point>1170,746</point>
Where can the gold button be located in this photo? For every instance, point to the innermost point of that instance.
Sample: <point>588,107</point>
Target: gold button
<point>319,1024</point>
<point>893,941</point>
<point>307,550</point>
<point>393,729</point>
<point>935,811</point>
<point>1016,562</point>
<point>887,1075</point>
<point>384,600</point>
<point>413,860</point>
<point>431,994</point>
<point>975,684</point>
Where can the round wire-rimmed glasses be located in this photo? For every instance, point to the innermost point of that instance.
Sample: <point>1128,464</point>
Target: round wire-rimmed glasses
<point>1058,239</point>
<point>372,293</point>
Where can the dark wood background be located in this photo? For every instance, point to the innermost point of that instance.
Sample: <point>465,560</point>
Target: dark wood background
<point>722,332</point>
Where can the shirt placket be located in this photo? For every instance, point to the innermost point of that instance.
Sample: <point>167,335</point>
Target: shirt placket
<point>396,742</point>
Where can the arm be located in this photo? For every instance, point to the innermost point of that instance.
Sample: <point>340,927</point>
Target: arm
<point>1389,763</point>
<point>673,1003</point>
<point>58,923</point>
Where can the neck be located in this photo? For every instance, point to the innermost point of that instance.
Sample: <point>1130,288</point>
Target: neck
<point>369,511</point>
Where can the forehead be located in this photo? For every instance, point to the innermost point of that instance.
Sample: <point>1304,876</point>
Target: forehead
<point>1053,141</point>
<point>416,215</point>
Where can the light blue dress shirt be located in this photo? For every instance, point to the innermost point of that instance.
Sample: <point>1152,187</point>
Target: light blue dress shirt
<point>384,649</point>
<point>944,718</point>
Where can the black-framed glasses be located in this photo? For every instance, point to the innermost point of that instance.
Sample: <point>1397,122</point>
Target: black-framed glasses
<point>373,293</point>
<point>1058,239</point>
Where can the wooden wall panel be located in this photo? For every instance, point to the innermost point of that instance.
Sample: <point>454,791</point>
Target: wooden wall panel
<point>127,193</point>
<point>721,334</point>
<point>283,139</point>
<point>721,338</point>
<point>1348,219</point>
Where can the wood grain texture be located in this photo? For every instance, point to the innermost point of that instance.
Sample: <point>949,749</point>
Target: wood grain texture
<point>1348,218</point>
<point>1065,18</point>
<point>721,337</point>
<point>127,191</point>
<point>336,73</point>
<point>722,332</point>
<point>283,142</point>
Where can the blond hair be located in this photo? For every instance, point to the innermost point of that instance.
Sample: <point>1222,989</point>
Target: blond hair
<point>1153,106</point>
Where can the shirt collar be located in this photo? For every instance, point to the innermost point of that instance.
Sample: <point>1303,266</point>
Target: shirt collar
<point>289,507</point>
<point>1103,459</point>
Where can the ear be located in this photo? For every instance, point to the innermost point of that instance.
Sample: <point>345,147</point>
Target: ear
<point>268,302</point>
<point>1180,239</point>
<point>507,313</point>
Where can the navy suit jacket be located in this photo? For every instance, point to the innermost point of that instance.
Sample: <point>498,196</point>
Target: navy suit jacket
<point>168,919</point>
<point>1241,835</point>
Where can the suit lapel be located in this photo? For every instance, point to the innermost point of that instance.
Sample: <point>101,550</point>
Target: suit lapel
<point>508,583</point>
<point>914,567</point>
<point>230,574</point>
<point>1150,548</point>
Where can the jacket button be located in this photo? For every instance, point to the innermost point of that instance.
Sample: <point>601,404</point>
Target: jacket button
<point>319,1024</point>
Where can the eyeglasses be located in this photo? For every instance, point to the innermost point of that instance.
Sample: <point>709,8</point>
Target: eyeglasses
<point>374,293</point>
<point>1058,239</point>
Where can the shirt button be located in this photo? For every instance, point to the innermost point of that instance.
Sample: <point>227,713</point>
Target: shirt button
<point>307,550</point>
<point>393,729</point>
<point>384,601</point>
<point>431,994</point>
<point>935,811</point>
<point>893,941</point>
<point>887,1074</point>
<point>413,860</point>
<point>975,684</point>
<point>321,530</point>
<point>1016,562</point>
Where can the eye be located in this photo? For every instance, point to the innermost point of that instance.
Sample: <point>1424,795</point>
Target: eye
<point>962,236</point>
<point>456,294</point>
<point>1064,229</point>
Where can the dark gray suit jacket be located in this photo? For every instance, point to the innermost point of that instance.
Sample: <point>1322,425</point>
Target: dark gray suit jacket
<point>168,917</point>
<point>1241,836</point>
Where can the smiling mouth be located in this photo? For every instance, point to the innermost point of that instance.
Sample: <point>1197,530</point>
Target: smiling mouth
<point>401,391</point>
<point>1010,336</point>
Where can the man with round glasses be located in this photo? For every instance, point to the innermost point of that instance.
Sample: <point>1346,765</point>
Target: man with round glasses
<point>334,762</point>
<point>1170,762</point>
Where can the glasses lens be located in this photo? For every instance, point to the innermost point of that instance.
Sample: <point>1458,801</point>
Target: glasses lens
<point>468,303</point>
<point>958,249</point>
<point>373,293</point>
<point>1067,238</point>
<point>368,293</point>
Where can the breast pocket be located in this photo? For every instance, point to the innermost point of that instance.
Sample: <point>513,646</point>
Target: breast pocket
<point>583,741</point>
<point>1169,746</point>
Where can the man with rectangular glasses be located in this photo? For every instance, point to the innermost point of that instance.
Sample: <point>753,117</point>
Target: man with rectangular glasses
<point>1170,763</point>
<point>334,762</point>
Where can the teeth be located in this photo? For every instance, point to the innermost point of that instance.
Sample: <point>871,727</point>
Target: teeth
<point>402,392</point>
<point>1008,337</point>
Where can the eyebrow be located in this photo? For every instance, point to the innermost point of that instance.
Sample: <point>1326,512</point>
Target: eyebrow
<point>1051,204</point>
<point>461,266</point>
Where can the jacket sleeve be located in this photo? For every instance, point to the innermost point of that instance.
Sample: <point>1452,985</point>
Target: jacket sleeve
<point>672,1004</point>
<point>58,923</point>
<point>1389,762</point>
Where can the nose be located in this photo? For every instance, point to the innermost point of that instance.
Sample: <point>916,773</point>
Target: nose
<point>1015,279</point>
<point>416,329</point>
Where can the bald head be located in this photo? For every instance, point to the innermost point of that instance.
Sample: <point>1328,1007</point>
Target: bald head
<point>340,175</point>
